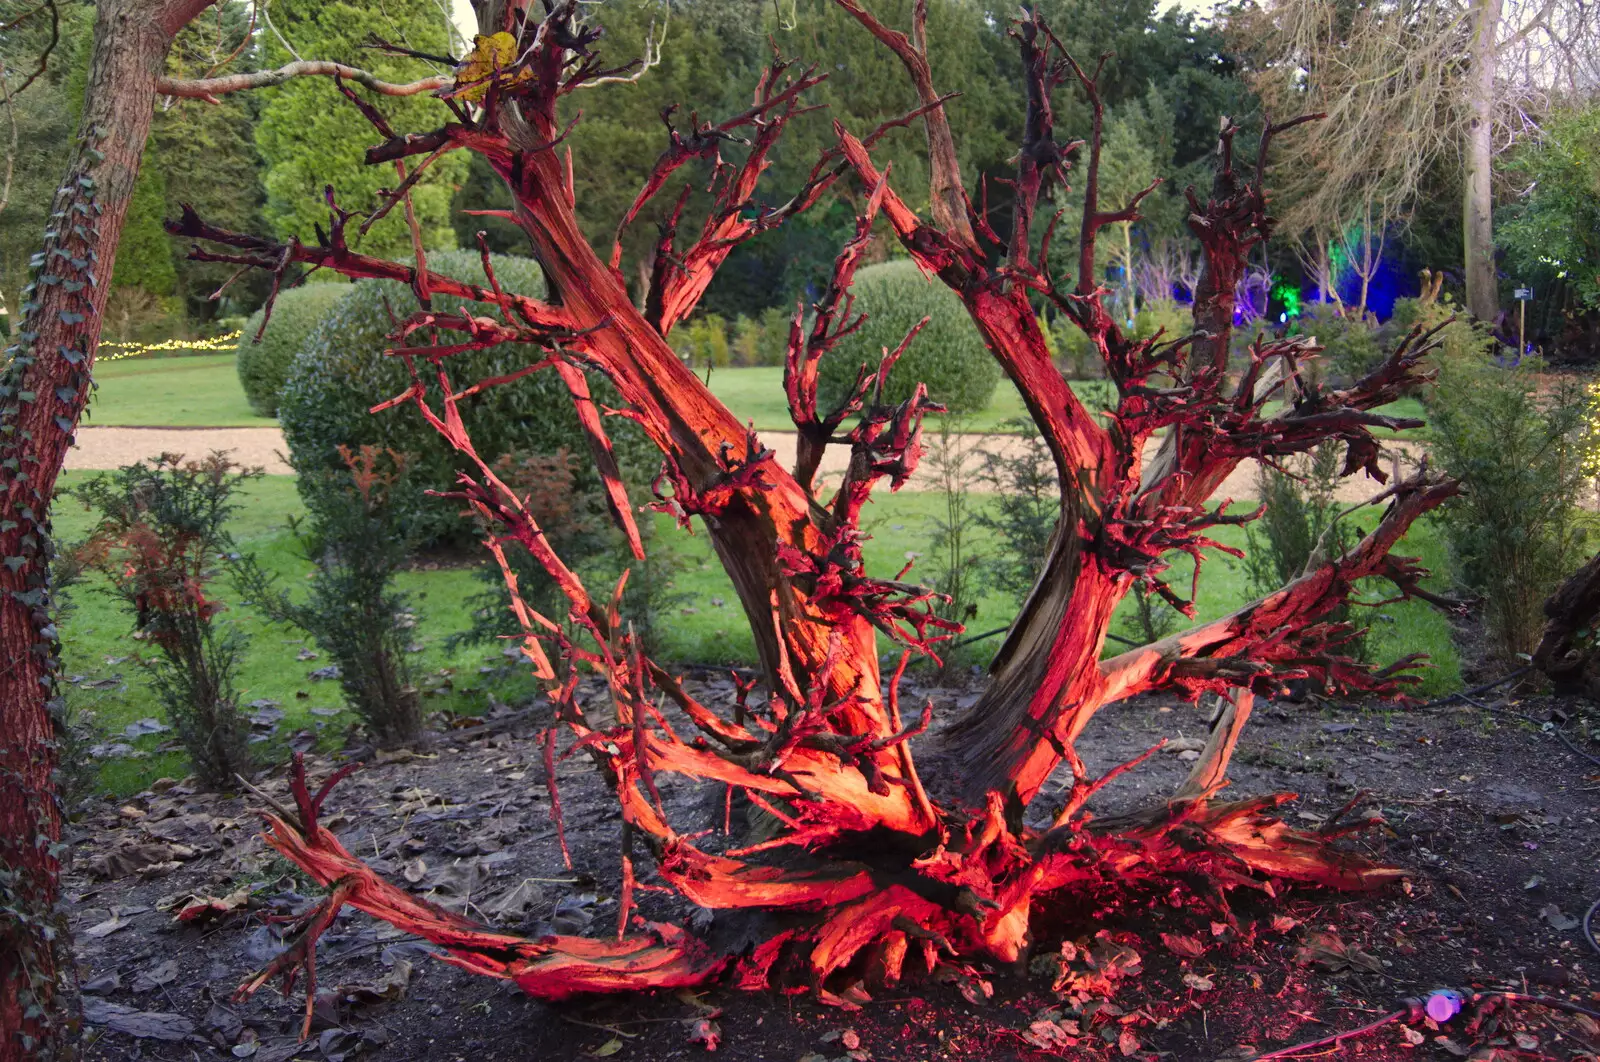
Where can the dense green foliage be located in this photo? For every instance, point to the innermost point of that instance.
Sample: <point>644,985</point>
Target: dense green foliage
<point>1300,511</point>
<point>358,534</point>
<point>144,257</point>
<point>264,365</point>
<point>208,159</point>
<point>1521,453</point>
<point>311,137</point>
<point>342,370</point>
<point>262,159</point>
<point>948,355</point>
<point>46,116</point>
<point>160,540</point>
<point>1026,507</point>
<point>1460,338</point>
<point>1553,230</point>
<point>1350,346</point>
<point>1304,524</point>
<point>198,153</point>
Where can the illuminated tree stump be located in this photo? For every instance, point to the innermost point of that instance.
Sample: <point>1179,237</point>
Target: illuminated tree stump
<point>887,878</point>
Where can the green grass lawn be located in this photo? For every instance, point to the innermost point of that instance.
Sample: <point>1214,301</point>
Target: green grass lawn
<point>705,625</point>
<point>201,391</point>
<point>108,690</point>
<point>204,391</point>
<point>756,394</point>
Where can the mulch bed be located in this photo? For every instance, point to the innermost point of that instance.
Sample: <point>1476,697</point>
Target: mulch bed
<point>1495,820</point>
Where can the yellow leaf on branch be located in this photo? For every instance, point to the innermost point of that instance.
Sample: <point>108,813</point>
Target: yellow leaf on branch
<point>488,64</point>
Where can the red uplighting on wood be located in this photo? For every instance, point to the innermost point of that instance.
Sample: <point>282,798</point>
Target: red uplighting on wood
<point>891,872</point>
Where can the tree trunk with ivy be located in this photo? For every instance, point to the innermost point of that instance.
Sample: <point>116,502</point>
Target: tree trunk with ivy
<point>44,384</point>
<point>869,865</point>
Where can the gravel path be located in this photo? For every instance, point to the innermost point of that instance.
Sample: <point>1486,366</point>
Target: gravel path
<point>103,448</point>
<point>114,447</point>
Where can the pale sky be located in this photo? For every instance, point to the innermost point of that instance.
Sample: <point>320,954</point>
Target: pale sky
<point>465,21</point>
<point>467,24</point>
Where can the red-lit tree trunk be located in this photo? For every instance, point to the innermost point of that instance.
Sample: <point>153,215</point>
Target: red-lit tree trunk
<point>43,388</point>
<point>884,869</point>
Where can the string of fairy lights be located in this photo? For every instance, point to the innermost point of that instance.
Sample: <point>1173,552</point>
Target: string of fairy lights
<point>1591,449</point>
<point>214,345</point>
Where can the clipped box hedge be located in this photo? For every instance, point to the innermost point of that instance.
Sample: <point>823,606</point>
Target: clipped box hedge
<point>341,372</point>
<point>948,355</point>
<point>264,366</point>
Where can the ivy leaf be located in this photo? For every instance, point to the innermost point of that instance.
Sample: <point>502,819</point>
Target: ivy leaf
<point>485,65</point>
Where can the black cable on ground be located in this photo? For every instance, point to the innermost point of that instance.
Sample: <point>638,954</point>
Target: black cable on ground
<point>1414,1010</point>
<point>1542,1001</point>
<point>1559,733</point>
<point>1588,926</point>
<point>1001,630</point>
<point>1331,1041</point>
<point>978,638</point>
<point>1476,690</point>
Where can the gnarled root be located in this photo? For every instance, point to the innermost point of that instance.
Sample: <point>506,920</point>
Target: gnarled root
<point>552,967</point>
<point>862,934</point>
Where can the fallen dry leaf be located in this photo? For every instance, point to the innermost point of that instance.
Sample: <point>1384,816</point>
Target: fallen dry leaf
<point>106,928</point>
<point>387,989</point>
<point>199,908</point>
<point>142,1024</point>
<point>149,858</point>
<point>705,1031</point>
<point>153,977</point>
<point>1558,919</point>
<point>1328,951</point>
<point>1185,946</point>
<point>1052,1035</point>
<point>513,905</point>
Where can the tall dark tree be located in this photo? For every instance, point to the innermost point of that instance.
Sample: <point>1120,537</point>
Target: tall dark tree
<point>44,384</point>
<point>207,154</point>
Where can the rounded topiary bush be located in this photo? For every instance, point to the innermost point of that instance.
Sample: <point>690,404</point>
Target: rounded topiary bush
<point>264,366</point>
<point>341,372</point>
<point>948,355</point>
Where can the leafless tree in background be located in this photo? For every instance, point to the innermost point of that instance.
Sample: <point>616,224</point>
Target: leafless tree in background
<point>1445,81</point>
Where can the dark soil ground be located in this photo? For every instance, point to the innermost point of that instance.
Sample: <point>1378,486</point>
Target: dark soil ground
<point>1495,820</point>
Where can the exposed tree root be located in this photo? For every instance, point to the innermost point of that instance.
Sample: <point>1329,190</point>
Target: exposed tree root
<point>551,967</point>
<point>866,923</point>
